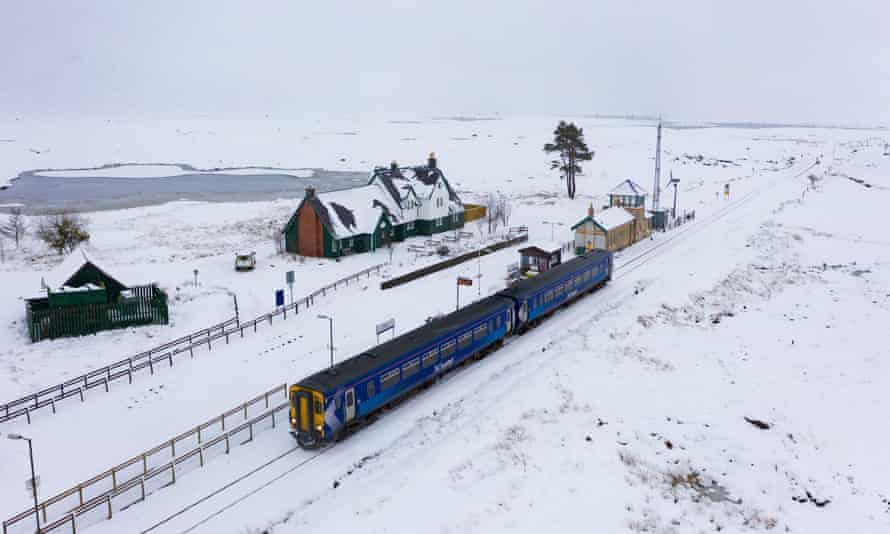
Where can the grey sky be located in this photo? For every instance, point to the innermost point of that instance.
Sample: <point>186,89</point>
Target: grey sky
<point>779,60</point>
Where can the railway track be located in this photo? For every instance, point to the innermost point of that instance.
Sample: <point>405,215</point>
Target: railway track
<point>580,317</point>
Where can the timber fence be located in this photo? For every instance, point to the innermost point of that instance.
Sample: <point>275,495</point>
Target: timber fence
<point>131,481</point>
<point>451,262</point>
<point>163,354</point>
<point>76,387</point>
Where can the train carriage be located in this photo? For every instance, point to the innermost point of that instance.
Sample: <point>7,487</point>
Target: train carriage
<point>536,297</point>
<point>324,404</point>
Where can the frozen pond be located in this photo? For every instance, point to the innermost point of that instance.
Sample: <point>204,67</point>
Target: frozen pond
<point>77,190</point>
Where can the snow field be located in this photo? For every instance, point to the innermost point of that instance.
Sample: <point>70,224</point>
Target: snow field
<point>480,443</point>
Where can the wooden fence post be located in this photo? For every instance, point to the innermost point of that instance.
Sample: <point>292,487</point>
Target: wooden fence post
<point>142,486</point>
<point>108,499</point>
<point>227,443</point>
<point>73,524</point>
<point>130,368</point>
<point>28,414</point>
<point>151,365</point>
<point>113,478</point>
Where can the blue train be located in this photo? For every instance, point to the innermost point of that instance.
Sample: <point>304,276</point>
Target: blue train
<point>323,406</point>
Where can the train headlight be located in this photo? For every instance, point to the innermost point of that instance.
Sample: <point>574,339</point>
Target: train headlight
<point>293,421</point>
<point>318,428</point>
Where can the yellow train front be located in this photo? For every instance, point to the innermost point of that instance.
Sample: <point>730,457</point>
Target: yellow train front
<point>307,415</point>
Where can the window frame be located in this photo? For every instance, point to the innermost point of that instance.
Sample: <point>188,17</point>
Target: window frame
<point>429,358</point>
<point>481,328</point>
<point>410,368</point>
<point>447,349</point>
<point>465,340</point>
<point>387,381</point>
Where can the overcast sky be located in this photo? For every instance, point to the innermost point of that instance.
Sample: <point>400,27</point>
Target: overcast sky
<point>776,60</point>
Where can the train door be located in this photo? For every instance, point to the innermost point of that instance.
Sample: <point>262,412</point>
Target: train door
<point>350,405</point>
<point>509,319</point>
<point>304,411</point>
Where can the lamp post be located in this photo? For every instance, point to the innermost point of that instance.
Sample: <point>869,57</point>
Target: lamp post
<point>553,225</point>
<point>331,322</point>
<point>33,476</point>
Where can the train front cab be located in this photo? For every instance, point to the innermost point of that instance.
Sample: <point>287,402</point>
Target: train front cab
<point>307,416</point>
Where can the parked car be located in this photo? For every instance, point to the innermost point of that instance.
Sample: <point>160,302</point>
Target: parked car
<point>245,262</point>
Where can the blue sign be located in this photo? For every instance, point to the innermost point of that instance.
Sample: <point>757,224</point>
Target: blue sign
<point>279,297</point>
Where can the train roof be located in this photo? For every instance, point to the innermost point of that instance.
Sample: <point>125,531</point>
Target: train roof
<point>526,287</point>
<point>382,355</point>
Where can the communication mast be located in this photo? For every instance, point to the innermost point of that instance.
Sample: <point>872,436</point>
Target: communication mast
<point>656,190</point>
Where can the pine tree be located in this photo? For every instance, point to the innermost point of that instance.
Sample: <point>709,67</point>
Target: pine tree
<point>568,141</point>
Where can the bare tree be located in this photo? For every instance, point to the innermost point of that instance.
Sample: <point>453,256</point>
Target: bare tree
<point>15,226</point>
<point>493,211</point>
<point>62,232</point>
<point>506,210</point>
<point>276,235</point>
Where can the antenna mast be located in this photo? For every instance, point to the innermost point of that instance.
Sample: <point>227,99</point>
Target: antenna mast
<point>656,190</point>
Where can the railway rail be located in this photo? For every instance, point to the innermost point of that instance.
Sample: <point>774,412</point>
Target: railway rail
<point>578,318</point>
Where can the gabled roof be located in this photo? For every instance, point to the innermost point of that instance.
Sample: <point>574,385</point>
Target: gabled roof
<point>421,180</point>
<point>607,219</point>
<point>66,271</point>
<point>354,211</point>
<point>628,188</point>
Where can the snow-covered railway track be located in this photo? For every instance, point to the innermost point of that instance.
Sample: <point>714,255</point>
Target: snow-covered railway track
<point>205,509</point>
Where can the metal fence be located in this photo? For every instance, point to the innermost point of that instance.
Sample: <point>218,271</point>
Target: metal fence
<point>130,481</point>
<point>162,355</point>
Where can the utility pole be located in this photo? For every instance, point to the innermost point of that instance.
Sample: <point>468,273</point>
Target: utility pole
<point>656,189</point>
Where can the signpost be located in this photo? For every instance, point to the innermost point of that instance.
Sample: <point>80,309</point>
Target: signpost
<point>389,324</point>
<point>279,298</point>
<point>289,278</point>
<point>462,281</point>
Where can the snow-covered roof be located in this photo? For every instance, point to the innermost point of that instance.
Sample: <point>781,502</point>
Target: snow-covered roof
<point>612,217</point>
<point>421,180</point>
<point>629,188</point>
<point>354,211</point>
<point>548,246</point>
<point>72,263</point>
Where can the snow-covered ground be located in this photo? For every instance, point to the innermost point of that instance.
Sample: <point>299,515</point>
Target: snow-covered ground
<point>624,412</point>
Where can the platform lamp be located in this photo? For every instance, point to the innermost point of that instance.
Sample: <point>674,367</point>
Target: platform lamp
<point>331,322</point>
<point>33,476</point>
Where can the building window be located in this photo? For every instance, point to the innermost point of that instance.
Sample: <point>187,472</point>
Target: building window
<point>389,379</point>
<point>464,340</point>
<point>430,358</point>
<point>410,369</point>
<point>447,349</point>
<point>410,226</point>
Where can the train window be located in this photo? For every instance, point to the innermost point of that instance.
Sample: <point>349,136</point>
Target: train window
<point>548,296</point>
<point>430,358</point>
<point>464,340</point>
<point>578,280</point>
<point>569,283</point>
<point>411,368</point>
<point>371,391</point>
<point>448,349</point>
<point>497,322</point>
<point>586,276</point>
<point>481,331</point>
<point>319,407</point>
<point>558,290</point>
<point>338,402</point>
<point>389,379</point>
